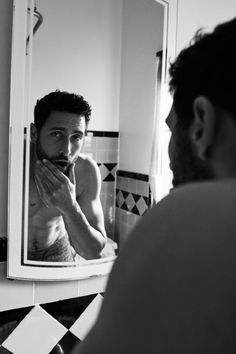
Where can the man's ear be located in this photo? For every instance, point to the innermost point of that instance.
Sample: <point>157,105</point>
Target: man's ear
<point>202,130</point>
<point>33,133</point>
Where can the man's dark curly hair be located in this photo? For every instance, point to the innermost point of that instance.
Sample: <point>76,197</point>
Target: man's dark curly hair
<point>61,101</point>
<point>207,67</point>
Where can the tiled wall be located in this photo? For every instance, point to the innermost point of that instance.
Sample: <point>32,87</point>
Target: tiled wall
<point>133,199</point>
<point>49,328</point>
<point>104,148</point>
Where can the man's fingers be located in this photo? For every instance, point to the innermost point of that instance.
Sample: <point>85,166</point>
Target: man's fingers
<point>52,171</point>
<point>71,173</point>
<point>43,193</point>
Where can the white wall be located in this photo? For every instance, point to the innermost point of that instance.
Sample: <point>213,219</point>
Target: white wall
<point>5,67</point>
<point>193,14</point>
<point>141,39</point>
<point>77,48</point>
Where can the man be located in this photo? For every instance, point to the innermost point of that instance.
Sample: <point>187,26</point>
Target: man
<point>173,286</point>
<point>65,214</point>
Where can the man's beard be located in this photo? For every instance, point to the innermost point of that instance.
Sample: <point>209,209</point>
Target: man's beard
<point>61,162</point>
<point>185,165</point>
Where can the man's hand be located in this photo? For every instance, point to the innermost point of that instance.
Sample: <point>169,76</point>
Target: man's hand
<point>55,189</point>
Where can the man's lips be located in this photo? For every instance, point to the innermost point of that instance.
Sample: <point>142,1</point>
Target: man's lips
<point>62,164</point>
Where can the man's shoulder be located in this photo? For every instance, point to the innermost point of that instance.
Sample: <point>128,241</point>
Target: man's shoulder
<point>201,199</point>
<point>85,165</point>
<point>189,215</point>
<point>205,193</point>
<point>87,172</point>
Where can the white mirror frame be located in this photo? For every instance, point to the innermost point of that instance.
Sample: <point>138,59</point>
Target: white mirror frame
<point>18,113</point>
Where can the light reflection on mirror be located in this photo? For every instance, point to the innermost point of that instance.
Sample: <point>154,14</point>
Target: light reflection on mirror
<point>79,48</point>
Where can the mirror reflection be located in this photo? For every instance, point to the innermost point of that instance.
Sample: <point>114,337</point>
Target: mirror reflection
<point>90,72</point>
<point>66,220</point>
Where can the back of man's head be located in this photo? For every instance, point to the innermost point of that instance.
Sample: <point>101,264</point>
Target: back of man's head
<point>206,68</point>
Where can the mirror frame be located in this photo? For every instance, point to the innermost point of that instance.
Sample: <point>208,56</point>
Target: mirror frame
<point>17,192</point>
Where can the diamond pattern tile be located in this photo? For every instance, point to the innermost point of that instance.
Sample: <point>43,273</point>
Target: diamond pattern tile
<point>135,203</point>
<point>44,331</point>
<point>37,333</point>
<point>142,206</point>
<point>82,326</point>
<point>119,198</point>
<point>130,201</point>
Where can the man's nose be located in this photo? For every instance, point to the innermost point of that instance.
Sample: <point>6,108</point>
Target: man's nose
<point>65,148</point>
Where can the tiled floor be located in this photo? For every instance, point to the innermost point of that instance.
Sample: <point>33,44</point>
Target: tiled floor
<point>47,329</point>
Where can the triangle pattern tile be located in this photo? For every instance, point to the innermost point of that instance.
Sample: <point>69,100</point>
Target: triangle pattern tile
<point>136,197</point>
<point>4,351</point>
<point>124,206</point>
<point>147,201</point>
<point>37,333</point>
<point>67,311</point>
<point>10,320</point>
<point>109,178</point>
<point>110,166</point>
<point>103,171</point>
<point>125,194</point>
<point>65,345</point>
<point>135,210</point>
<point>85,322</point>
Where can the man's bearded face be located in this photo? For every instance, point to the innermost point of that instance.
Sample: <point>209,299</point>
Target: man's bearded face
<point>184,162</point>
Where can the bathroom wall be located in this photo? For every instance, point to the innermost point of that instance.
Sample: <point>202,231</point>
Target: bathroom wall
<point>141,39</point>
<point>193,14</point>
<point>5,69</point>
<point>78,48</point>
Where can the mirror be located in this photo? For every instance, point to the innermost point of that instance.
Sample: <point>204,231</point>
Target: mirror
<point>75,46</point>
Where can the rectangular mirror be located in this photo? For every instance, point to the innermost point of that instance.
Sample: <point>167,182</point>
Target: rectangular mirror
<point>75,46</point>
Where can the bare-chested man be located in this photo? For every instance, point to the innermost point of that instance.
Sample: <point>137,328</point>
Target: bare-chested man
<point>65,214</point>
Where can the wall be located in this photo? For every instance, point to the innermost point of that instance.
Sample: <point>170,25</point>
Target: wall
<point>193,14</point>
<point>141,39</point>
<point>78,48</point>
<point>5,68</point>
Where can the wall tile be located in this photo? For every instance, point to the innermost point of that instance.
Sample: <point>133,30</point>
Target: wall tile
<point>37,333</point>
<point>92,285</point>
<point>15,294</point>
<point>85,322</point>
<point>132,201</point>
<point>53,291</point>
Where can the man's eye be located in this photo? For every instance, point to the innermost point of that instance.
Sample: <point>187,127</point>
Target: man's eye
<point>56,134</point>
<point>77,137</point>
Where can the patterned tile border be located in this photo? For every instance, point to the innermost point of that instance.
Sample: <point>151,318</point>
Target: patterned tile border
<point>137,203</point>
<point>73,315</point>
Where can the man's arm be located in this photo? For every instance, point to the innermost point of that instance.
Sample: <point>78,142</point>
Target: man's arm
<point>82,214</point>
<point>86,214</point>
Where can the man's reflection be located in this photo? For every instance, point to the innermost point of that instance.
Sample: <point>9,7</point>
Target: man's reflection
<point>66,220</point>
